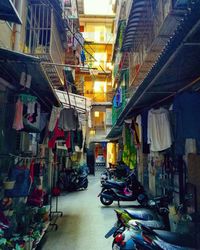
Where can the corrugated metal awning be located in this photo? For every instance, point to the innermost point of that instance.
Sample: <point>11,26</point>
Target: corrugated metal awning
<point>8,12</point>
<point>79,102</point>
<point>136,23</point>
<point>12,64</point>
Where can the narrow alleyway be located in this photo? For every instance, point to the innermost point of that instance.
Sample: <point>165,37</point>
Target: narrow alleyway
<point>84,223</point>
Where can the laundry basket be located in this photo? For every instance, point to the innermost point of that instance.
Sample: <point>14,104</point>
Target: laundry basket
<point>8,185</point>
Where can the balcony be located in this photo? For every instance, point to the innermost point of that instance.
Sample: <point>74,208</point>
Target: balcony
<point>98,37</point>
<point>43,39</point>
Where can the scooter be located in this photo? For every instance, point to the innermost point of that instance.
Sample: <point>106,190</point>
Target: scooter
<point>72,179</point>
<point>130,190</point>
<point>156,213</point>
<point>141,237</point>
<point>78,181</point>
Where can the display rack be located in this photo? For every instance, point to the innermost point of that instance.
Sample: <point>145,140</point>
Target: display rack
<point>54,214</point>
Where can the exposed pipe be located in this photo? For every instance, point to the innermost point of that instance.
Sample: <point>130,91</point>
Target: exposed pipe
<point>19,4</point>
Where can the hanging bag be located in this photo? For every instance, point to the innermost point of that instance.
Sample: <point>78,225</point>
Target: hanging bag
<point>21,176</point>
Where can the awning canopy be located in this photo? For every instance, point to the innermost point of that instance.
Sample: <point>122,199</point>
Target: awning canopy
<point>8,12</point>
<point>176,69</point>
<point>12,64</point>
<point>114,133</point>
<point>137,22</point>
<point>79,102</point>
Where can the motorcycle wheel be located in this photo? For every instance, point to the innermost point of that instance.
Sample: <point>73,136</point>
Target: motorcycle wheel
<point>85,184</point>
<point>106,202</point>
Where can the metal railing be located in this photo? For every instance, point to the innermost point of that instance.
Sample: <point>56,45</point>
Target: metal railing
<point>98,37</point>
<point>42,35</point>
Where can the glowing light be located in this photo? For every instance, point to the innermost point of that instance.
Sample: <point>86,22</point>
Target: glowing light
<point>100,87</point>
<point>92,7</point>
<point>96,114</point>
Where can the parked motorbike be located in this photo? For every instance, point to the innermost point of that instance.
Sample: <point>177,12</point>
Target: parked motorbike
<point>129,190</point>
<point>73,179</point>
<point>141,237</point>
<point>155,213</point>
<point>119,172</point>
<point>107,175</point>
<point>78,181</point>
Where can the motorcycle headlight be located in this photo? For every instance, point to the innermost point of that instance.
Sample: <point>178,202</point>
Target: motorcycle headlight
<point>151,203</point>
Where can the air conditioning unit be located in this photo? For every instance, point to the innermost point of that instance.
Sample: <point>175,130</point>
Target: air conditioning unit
<point>28,143</point>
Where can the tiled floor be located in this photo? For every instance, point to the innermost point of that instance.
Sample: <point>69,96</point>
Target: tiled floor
<point>84,223</point>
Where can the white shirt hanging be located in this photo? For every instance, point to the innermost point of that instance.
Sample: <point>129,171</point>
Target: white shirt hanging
<point>159,133</point>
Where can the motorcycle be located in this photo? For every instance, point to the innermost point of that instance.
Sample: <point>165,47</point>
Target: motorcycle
<point>141,237</point>
<point>130,190</point>
<point>119,172</point>
<point>72,180</point>
<point>156,213</point>
<point>78,181</point>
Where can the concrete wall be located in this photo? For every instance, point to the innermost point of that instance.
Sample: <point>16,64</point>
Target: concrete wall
<point>8,31</point>
<point>6,35</point>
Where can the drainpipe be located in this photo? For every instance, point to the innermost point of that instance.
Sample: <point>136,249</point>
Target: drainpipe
<point>19,4</point>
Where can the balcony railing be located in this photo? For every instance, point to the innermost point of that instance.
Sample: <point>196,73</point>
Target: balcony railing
<point>43,40</point>
<point>98,37</point>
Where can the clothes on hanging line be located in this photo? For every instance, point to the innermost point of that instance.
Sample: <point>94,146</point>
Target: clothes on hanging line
<point>31,117</point>
<point>55,114</point>
<point>27,114</point>
<point>83,58</point>
<point>185,120</point>
<point>159,131</point>
<point>139,124</point>
<point>144,118</point>
<point>18,117</point>
<point>57,134</point>
<point>68,119</point>
<point>78,40</point>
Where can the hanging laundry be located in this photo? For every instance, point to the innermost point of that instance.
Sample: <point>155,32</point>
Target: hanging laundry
<point>78,40</point>
<point>135,132</point>
<point>55,114</point>
<point>57,133</point>
<point>83,58</point>
<point>159,132</point>
<point>32,121</point>
<point>145,145</point>
<point>187,116</point>
<point>139,124</point>
<point>68,119</point>
<point>18,118</point>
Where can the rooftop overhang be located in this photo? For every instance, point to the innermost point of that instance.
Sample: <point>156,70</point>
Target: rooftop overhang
<point>8,12</point>
<point>12,64</point>
<point>114,133</point>
<point>140,20</point>
<point>106,104</point>
<point>176,69</point>
<point>133,27</point>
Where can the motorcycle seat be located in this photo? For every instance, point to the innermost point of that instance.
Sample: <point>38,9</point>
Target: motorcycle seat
<point>154,224</point>
<point>116,183</point>
<point>184,240</point>
<point>142,213</point>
